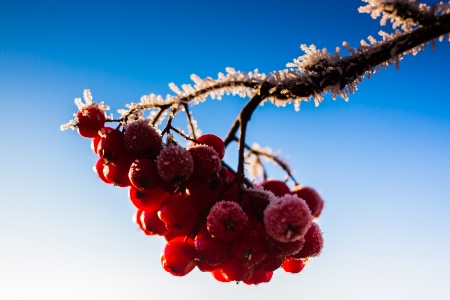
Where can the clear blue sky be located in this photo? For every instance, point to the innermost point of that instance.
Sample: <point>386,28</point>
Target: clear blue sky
<point>381,160</point>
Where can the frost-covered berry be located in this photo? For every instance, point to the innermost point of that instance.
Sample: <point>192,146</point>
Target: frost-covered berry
<point>175,164</point>
<point>213,141</point>
<point>226,221</point>
<point>278,187</point>
<point>206,161</point>
<point>313,243</point>
<point>90,119</point>
<point>287,219</point>
<point>142,139</point>
<point>312,198</point>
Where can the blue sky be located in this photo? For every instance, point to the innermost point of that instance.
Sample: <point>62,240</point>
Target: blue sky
<point>381,160</point>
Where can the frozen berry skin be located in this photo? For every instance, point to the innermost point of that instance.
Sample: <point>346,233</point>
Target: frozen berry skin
<point>313,243</point>
<point>311,197</point>
<point>206,161</point>
<point>142,139</point>
<point>226,221</point>
<point>178,257</point>
<point>287,219</point>
<point>90,119</point>
<point>175,164</point>
<point>213,141</point>
<point>278,187</point>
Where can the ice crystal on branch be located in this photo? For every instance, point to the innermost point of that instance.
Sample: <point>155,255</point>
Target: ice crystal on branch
<point>405,14</point>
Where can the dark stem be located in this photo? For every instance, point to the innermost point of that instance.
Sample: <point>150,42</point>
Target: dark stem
<point>190,121</point>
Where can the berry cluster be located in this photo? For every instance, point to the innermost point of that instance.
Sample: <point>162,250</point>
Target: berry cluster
<point>209,219</point>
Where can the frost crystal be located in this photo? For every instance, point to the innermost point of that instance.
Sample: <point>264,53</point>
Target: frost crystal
<point>72,124</point>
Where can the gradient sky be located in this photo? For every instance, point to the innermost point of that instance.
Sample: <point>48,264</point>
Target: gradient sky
<point>381,160</point>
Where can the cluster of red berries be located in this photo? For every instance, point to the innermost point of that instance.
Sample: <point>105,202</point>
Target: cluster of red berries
<point>194,202</point>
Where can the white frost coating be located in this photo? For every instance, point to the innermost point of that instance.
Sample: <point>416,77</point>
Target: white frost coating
<point>256,170</point>
<point>260,192</point>
<point>87,96</point>
<point>384,9</point>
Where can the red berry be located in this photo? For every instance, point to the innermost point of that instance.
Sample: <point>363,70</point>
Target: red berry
<point>313,243</point>
<point>90,119</point>
<point>175,164</point>
<point>211,251</point>
<point>259,276</point>
<point>311,197</point>
<point>292,265</point>
<point>142,139</point>
<point>96,140</point>
<point>137,218</point>
<point>248,250</point>
<point>206,161</point>
<point>272,262</point>
<point>178,213</point>
<point>203,266</point>
<point>151,224</point>
<point>287,219</point>
<point>170,235</point>
<point>148,200</point>
<point>226,221</point>
<point>213,141</point>
<point>98,168</point>
<point>178,257</point>
<point>143,174</point>
<point>218,275</point>
<point>118,173</point>
<point>279,188</point>
<point>111,147</point>
<point>234,271</point>
<point>204,192</point>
